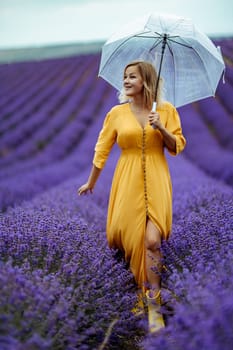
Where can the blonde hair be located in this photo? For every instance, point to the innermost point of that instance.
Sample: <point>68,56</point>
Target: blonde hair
<point>149,77</point>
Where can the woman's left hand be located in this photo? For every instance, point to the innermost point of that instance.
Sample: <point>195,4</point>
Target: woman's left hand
<point>154,120</point>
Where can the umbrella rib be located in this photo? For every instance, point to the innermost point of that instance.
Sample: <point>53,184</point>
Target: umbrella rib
<point>145,36</point>
<point>114,52</point>
<point>141,35</point>
<point>177,42</point>
<point>137,35</point>
<point>172,55</point>
<point>206,71</point>
<point>170,49</point>
<point>155,45</point>
<point>172,37</point>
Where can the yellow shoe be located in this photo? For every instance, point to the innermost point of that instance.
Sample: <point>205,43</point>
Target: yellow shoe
<point>139,309</point>
<point>155,318</point>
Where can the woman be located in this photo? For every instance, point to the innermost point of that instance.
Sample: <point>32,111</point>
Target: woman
<point>140,203</point>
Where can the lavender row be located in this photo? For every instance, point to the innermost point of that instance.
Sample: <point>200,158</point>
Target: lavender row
<point>226,45</point>
<point>47,135</point>
<point>52,89</point>
<point>31,137</point>
<point>20,78</point>
<point>14,78</point>
<point>218,120</point>
<point>64,94</point>
<point>229,74</point>
<point>225,93</point>
<point>203,148</point>
<point>44,126</point>
<point>26,92</point>
<point>30,178</point>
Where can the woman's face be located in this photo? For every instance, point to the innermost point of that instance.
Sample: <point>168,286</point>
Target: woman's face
<point>133,84</point>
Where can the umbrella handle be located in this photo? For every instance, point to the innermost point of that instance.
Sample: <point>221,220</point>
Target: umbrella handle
<point>154,110</point>
<point>153,107</point>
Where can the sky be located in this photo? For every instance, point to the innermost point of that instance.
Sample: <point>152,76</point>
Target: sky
<point>27,23</point>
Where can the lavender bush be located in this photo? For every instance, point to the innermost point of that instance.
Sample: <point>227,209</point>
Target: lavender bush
<point>60,280</point>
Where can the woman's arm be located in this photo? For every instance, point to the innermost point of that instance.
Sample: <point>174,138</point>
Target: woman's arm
<point>168,137</point>
<point>90,184</point>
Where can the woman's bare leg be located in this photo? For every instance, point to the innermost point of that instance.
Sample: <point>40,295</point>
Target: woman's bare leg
<point>153,257</point>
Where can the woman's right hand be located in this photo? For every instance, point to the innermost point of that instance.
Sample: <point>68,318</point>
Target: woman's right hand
<point>90,184</point>
<point>84,189</point>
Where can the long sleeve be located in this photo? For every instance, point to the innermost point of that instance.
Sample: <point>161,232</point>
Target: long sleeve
<point>105,142</point>
<point>173,125</point>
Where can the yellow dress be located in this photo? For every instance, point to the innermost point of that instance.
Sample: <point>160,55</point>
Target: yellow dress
<point>141,186</point>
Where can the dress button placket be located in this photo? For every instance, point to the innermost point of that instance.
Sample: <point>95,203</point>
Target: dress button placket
<point>144,168</point>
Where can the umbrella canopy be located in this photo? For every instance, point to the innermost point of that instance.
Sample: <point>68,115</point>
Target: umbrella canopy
<point>187,60</point>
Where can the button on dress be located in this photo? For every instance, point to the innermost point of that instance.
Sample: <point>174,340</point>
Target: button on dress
<point>141,185</point>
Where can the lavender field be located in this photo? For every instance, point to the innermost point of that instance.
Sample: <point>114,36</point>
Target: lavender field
<point>62,288</point>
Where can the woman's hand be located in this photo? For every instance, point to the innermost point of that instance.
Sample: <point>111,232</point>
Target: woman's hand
<point>154,120</point>
<point>90,184</point>
<point>84,189</point>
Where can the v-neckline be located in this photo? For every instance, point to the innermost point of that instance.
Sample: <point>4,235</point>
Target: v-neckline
<point>136,120</point>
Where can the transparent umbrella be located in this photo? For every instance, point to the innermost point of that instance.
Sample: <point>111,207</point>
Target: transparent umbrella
<point>187,60</point>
